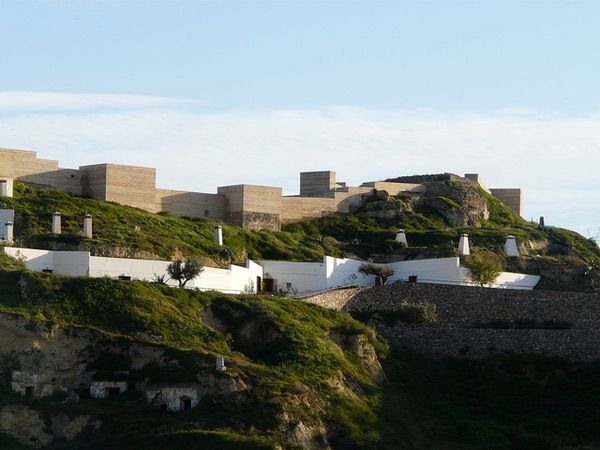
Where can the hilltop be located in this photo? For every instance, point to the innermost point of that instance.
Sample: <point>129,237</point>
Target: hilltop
<point>432,223</point>
<point>298,375</point>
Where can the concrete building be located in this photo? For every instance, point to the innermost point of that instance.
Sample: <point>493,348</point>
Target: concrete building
<point>245,205</point>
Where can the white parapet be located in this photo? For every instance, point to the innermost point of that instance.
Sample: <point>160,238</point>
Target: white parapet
<point>510,246</point>
<point>463,245</point>
<point>56,223</point>
<point>87,226</point>
<point>401,238</point>
<point>8,232</point>
<point>218,236</point>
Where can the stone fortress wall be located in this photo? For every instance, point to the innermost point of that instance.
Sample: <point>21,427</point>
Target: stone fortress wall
<point>249,206</point>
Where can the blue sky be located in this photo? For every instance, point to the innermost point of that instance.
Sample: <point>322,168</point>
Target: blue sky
<point>371,89</point>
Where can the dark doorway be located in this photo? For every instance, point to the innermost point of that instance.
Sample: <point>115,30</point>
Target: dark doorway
<point>259,286</point>
<point>269,285</point>
<point>163,406</point>
<point>185,403</point>
<point>112,391</point>
<point>28,391</point>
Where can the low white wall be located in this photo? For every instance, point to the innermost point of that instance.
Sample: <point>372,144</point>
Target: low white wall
<point>338,272</point>
<point>506,280</point>
<point>137,269</point>
<point>64,263</point>
<point>302,276</point>
<point>233,280</point>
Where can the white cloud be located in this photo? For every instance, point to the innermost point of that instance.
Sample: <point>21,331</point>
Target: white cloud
<point>554,158</point>
<point>21,101</point>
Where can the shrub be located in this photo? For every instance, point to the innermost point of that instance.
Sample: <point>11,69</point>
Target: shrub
<point>485,267</point>
<point>408,313</point>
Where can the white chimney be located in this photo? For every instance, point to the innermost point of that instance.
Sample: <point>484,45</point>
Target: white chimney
<point>510,246</point>
<point>8,232</point>
<point>56,225</point>
<point>218,235</point>
<point>401,238</point>
<point>463,245</point>
<point>220,364</point>
<point>87,226</point>
<point>4,188</point>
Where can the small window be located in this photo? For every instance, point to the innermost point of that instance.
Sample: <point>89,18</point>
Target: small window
<point>29,391</point>
<point>288,285</point>
<point>47,270</point>
<point>412,279</point>
<point>124,278</point>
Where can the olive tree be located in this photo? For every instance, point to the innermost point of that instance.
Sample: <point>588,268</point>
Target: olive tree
<point>381,273</point>
<point>184,270</point>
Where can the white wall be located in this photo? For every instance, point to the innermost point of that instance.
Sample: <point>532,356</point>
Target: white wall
<point>437,270</point>
<point>137,269</point>
<point>64,263</point>
<point>339,272</point>
<point>303,276</point>
<point>233,280</point>
<point>506,280</point>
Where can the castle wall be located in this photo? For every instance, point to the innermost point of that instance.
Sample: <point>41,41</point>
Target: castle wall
<point>93,181</point>
<point>128,185</point>
<point>253,207</point>
<point>192,204</point>
<point>512,197</point>
<point>395,188</point>
<point>316,183</point>
<point>295,209</point>
<point>25,166</point>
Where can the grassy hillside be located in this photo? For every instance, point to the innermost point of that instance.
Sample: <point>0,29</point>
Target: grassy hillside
<point>366,234</point>
<point>289,359</point>
<point>166,236</point>
<point>502,402</point>
<point>160,235</point>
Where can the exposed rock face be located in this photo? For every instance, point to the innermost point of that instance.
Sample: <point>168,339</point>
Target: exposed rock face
<point>25,425</point>
<point>361,346</point>
<point>461,203</point>
<point>63,426</point>
<point>458,202</point>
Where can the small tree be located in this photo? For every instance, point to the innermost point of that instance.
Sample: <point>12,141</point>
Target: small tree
<point>381,273</point>
<point>485,267</point>
<point>184,271</point>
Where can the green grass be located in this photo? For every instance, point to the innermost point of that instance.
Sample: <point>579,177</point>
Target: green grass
<point>290,347</point>
<point>160,235</point>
